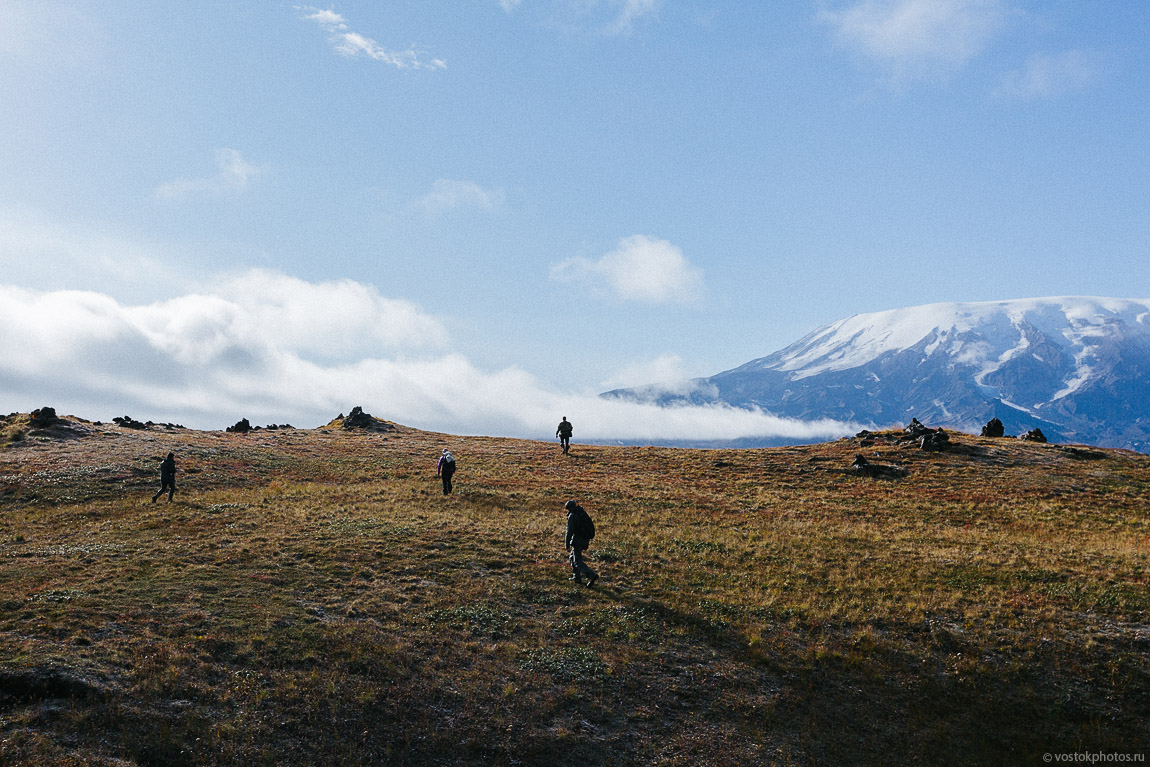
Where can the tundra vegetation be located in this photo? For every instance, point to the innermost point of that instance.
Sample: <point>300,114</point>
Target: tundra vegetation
<point>311,598</point>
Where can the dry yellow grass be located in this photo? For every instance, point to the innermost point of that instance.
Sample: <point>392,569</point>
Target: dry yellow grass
<point>311,597</point>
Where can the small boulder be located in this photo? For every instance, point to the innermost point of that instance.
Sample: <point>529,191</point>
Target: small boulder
<point>864,467</point>
<point>926,437</point>
<point>915,429</point>
<point>1034,435</point>
<point>127,422</point>
<point>43,418</point>
<point>1084,453</point>
<point>241,426</point>
<point>993,428</point>
<point>934,441</point>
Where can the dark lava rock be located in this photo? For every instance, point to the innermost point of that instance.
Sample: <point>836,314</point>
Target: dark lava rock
<point>127,422</point>
<point>934,440</point>
<point>993,428</point>
<point>241,427</point>
<point>926,437</point>
<point>359,420</point>
<point>865,468</point>
<point>43,418</point>
<point>1034,435</point>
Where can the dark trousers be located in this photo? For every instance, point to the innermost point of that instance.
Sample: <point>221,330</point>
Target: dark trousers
<point>565,443</point>
<point>578,566</point>
<point>165,484</point>
<point>447,482</point>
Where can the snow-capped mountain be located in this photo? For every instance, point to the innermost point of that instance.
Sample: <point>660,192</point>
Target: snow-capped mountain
<point>1078,368</point>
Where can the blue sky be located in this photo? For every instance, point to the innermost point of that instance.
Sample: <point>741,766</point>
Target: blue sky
<point>475,216</point>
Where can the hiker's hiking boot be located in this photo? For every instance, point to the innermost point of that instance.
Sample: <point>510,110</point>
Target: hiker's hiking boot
<point>591,580</point>
<point>577,579</point>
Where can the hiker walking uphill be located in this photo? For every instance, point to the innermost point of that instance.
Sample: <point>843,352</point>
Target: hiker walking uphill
<point>580,531</point>
<point>445,469</point>
<point>564,434</point>
<point>167,477</point>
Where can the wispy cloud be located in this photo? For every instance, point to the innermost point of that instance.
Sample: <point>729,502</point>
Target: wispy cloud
<point>49,35</point>
<point>663,376</point>
<point>667,367</point>
<point>628,13</point>
<point>640,269</point>
<point>353,44</point>
<point>232,175</point>
<point>608,17</point>
<point>35,250</point>
<point>449,194</point>
<point>917,39</point>
<point>273,348</point>
<point>1047,76</point>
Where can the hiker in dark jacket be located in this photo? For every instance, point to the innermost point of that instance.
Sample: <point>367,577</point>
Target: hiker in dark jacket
<point>564,434</point>
<point>167,477</point>
<point>580,531</point>
<point>445,469</point>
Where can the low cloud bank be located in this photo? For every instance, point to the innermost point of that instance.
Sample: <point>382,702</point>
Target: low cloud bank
<point>275,349</point>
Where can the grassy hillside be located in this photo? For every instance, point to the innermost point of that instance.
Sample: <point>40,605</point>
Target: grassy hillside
<point>311,598</point>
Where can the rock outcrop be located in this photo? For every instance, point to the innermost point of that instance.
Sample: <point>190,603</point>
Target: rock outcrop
<point>43,418</point>
<point>865,468</point>
<point>926,437</point>
<point>1034,435</point>
<point>358,420</point>
<point>127,422</point>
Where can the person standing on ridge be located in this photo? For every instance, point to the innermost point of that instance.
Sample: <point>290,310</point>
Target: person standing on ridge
<point>445,468</point>
<point>564,434</point>
<point>580,531</point>
<point>167,477</point>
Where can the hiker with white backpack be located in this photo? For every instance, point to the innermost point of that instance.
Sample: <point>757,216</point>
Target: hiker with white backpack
<point>445,469</point>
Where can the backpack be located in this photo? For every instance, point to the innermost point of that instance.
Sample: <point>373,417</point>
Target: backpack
<point>586,525</point>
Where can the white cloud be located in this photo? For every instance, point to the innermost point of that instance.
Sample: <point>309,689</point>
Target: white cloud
<point>232,175</point>
<point>662,376</point>
<point>668,367</point>
<point>607,17</point>
<point>333,320</point>
<point>639,269</point>
<point>447,194</point>
<point>629,12</point>
<point>35,251</point>
<point>353,44</point>
<point>262,312</point>
<point>328,19</point>
<point>1047,76</point>
<point>48,34</point>
<point>915,39</point>
<point>273,348</point>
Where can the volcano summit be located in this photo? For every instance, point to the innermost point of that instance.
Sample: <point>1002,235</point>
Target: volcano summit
<point>1076,367</point>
